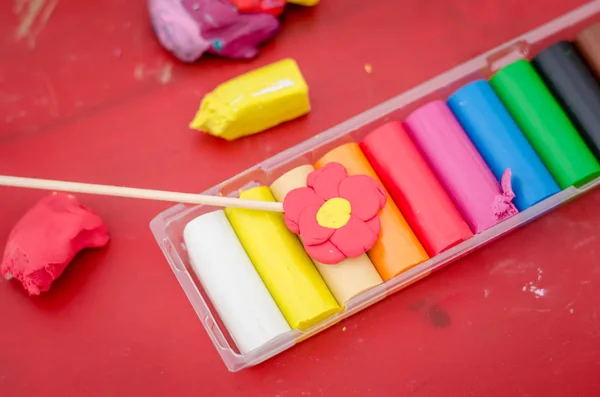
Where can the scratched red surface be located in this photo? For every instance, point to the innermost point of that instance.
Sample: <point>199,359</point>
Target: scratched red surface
<point>86,94</point>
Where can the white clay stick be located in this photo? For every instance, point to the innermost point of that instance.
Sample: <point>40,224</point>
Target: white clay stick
<point>118,191</point>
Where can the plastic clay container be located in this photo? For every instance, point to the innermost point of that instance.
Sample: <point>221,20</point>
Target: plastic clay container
<point>169,225</point>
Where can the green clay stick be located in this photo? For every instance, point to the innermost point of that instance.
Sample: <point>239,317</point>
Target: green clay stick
<point>545,124</point>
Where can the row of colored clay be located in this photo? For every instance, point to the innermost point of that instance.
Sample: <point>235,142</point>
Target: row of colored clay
<point>271,256</point>
<point>254,269</point>
<point>441,168</point>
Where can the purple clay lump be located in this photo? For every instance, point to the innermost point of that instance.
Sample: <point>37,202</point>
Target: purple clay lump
<point>190,28</point>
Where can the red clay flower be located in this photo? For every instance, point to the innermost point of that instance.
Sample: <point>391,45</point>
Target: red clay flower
<point>336,215</point>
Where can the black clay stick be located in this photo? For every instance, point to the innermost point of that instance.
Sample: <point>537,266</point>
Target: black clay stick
<point>575,87</point>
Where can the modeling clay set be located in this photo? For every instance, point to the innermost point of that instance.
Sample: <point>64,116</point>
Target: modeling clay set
<point>453,164</point>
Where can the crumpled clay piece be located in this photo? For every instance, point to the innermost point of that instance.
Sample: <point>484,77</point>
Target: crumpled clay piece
<point>176,30</point>
<point>503,207</point>
<point>273,7</point>
<point>230,33</point>
<point>190,28</point>
<point>47,238</point>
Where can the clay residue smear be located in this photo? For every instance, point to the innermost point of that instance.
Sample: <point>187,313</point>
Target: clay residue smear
<point>33,18</point>
<point>438,316</point>
<point>532,286</point>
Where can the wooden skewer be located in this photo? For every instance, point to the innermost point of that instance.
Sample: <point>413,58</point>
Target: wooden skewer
<point>118,191</point>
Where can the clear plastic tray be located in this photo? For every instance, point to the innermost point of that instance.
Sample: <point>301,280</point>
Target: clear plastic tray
<point>168,226</point>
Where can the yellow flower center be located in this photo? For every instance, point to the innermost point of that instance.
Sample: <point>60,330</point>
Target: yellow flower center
<point>335,213</point>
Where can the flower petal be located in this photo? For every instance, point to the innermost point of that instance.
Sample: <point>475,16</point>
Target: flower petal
<point>365,195</point>
<point>354,238</point>
<point>326,180</point>
<point>311,232</point>
<point>295,202</point>
<point>326,253</point>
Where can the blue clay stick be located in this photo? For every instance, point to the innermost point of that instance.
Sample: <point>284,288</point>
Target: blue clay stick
<point>501,143</point>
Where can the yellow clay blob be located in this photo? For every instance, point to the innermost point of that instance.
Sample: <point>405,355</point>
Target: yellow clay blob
<point>304,2</point>
<point>335,213</point>
<point>254,102</point>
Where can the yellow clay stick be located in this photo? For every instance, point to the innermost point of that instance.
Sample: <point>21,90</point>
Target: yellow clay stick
<point>284,266</point>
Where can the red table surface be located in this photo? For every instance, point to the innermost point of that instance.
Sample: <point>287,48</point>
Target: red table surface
<point>86,94</point>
